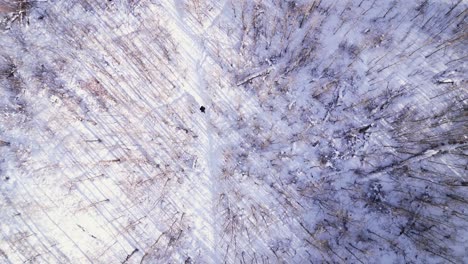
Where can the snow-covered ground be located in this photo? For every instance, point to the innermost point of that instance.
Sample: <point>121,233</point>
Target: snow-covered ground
<point>333,131</point>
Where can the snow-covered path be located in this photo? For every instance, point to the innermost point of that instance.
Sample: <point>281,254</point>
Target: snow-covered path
<point>193,55</point>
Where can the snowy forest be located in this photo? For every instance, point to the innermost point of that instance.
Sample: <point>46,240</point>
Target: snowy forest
<point>233,131</point>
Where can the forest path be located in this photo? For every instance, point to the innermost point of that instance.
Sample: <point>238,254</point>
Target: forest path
<point>202,197</point>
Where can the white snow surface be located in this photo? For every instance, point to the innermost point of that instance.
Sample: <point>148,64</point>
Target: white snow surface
<point>334,131</point>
